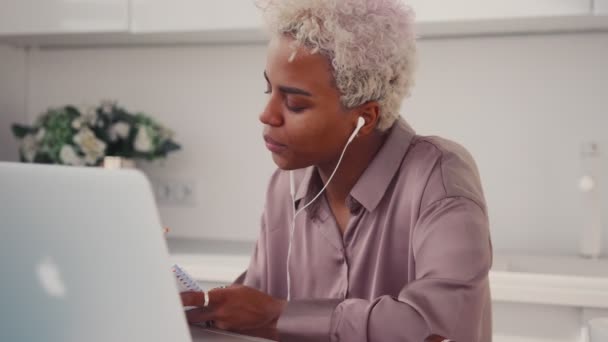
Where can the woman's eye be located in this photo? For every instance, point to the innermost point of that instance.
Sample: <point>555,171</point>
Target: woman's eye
<point>295,109</point>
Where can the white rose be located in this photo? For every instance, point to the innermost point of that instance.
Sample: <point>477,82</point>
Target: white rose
<point>84,109</point>
<point>77,123</point>
<point>107,106</point>
<point>165,133</point>
<point>29,147</point>
<point>68,156</point>
<point>88,115</point>
<point>90,118</point>
<point>143,143</point>
<point>119,130</point>
<point>40,134</point>
<point>92,147</point>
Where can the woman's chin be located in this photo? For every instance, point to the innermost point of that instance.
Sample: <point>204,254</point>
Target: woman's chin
<point>281,162</point>
<point>286,164</point>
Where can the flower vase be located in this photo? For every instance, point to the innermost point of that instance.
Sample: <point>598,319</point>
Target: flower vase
<point>115,163</point>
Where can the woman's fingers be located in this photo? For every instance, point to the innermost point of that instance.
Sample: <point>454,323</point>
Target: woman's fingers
<point>199,315</point>
<point>190,298</point>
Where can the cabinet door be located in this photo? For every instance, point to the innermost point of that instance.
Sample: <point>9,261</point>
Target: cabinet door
<point>441,10</point>
<point>152,16</point>
<point>601,7</point>
<point>63,16</point>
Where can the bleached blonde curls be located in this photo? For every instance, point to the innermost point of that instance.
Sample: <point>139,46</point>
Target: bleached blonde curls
<point>371,45</point>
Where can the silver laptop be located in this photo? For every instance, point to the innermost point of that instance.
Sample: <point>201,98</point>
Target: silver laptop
<point>83,258</point>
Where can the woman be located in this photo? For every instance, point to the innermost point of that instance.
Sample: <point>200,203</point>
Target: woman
<point>395,246</point>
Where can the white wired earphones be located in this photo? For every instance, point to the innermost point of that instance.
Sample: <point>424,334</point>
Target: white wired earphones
<point>360,123</point>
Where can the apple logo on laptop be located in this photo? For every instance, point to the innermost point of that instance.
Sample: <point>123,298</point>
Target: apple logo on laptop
<point>50,278</point>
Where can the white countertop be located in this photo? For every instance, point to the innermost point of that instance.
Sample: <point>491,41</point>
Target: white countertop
<point>554,280</point>
<point>508,283</point>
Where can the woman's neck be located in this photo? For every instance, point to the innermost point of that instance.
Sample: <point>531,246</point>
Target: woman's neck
<point>357,157</point>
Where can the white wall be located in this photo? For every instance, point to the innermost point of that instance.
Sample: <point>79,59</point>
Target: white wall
<point>12,98</point>
<point>522,105</point>
<point>209,95</point>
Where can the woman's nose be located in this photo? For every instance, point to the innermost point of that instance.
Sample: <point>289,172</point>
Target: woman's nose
<point>272,115</point>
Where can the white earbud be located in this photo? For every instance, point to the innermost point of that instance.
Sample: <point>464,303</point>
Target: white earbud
<point>360,123</point>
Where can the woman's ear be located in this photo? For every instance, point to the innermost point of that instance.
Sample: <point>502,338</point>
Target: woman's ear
<point>370,112</point>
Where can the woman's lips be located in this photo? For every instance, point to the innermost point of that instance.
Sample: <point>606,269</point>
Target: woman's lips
<point>273,145</point>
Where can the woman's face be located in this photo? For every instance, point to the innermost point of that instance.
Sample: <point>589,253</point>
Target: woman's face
<point>304,121</point>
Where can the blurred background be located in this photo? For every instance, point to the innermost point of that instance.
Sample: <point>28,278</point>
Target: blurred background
<point>522,84</point>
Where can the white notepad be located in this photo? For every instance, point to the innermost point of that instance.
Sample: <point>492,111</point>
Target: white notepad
<point>185,282</point>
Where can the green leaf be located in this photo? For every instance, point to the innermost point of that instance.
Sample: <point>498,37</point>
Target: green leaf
<point>121,115</point>
<point>20,131</point>
<point>168,146</point>
<point>72,111</point>
<point>43,158</point>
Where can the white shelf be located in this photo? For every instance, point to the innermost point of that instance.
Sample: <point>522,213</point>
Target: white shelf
<point>441,10</point>
<point>153,16</point>
<point>51,17</point>
<point>511,26</point>
<point>426,30</point>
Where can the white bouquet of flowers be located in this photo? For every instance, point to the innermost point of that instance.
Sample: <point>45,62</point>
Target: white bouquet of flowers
<point>73,136</point>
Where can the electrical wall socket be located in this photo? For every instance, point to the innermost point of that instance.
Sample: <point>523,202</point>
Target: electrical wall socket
<point>175,192</point>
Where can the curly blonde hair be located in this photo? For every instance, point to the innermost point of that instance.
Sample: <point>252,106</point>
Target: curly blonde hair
<point>371,45</point>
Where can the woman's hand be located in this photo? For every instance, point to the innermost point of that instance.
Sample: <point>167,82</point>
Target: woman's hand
<point>237,308</point>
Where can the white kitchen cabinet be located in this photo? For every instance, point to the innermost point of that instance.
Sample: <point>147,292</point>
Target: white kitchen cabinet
<point>154,16</point>
<point>139,22</point>
<point>462,10</point>
<point>29,17</point>
<point>601,7</point>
